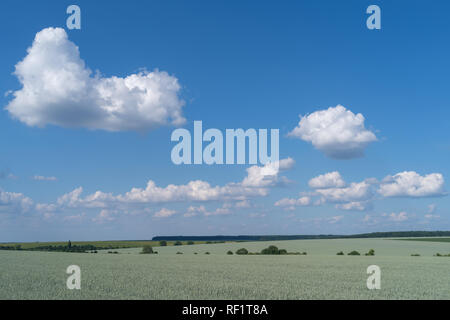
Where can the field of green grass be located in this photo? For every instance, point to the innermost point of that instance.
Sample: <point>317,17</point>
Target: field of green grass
<point>321,274</point>
<point>437,239</point>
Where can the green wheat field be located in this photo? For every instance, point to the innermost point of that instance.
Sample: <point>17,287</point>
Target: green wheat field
<point>205,271</point>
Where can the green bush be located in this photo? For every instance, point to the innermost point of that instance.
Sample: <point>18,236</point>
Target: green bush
<point>179,252</point>
<point>370,253</point>
<point>270,250</point>
<point>147,249</point>
<point>190,243</point>
<point>354,253</point>
<point>206,252</point>
<point>442,255</point>
<point>230,252</point>
<point>415,255</point>
<point>282,251</point>
<point>340,253</point>
<point>242,251</point>
<point>163,243</point>
<point>178,243</point>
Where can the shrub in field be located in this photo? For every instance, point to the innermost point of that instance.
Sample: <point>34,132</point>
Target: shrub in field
<point>270,250</point>
<point>275,250</point>
<point>163,243</point>
<point>230,252</point>
<point>370,253</point>
<point>190,243</point>
<point>340,253</point>
<point>147,249</point>
<point>442,255</point>
<point>206,252</point>
<point>415,255</point>
<point>242,251</point>
<point>179,252</point>
<point>304,253</point>
<point>354,253</point>
<point>178,243</point>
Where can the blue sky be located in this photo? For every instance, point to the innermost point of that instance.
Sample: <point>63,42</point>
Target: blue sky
<point>236,64</point>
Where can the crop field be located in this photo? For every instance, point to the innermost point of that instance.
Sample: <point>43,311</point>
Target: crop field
<point>429,239</point>
<point>321,274</point>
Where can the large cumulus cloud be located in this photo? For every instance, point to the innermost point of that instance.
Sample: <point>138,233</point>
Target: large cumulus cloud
<point>58,89</point>
<point>336,131</point>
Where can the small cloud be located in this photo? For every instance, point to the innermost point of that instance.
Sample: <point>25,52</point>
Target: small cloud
<point>105,216</point>
<point>327,180</point>
<point>42,178</point>
<point>164,213</point>
<point>335,219</point>
<point>399,217</point>
<point>77,217</point>
<point>257,215</point>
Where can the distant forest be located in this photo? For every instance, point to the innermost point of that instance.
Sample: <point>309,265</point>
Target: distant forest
<point>394,234</point>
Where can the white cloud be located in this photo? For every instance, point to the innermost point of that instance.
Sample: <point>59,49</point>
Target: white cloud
<point>42,178</point>
<point>193,211</point>
<point>105,216</point>
<point>398,217</point>
<point>411,184</point>
<point>268,174</point>
<point>327,180</point>
<point>192,191</point>
<point>12,202</point>
<point>336,131</point>
<point>355,192</point>
<point>76,217</point>
<point>257,215</point>
<point>335,219</point>
<point>58,89</point>
<point>219,211</point>
<point>243,204</point>
<point>237,193</point>
<point>355,205</point>
<point>164,213</point>
<point>331,188</point>
<point>289,202</point>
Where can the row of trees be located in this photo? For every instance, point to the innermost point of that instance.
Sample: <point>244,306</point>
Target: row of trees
<point>356,253</point>
<point>163,243</point>
<point>58,248</point>
<point>271,250</point>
